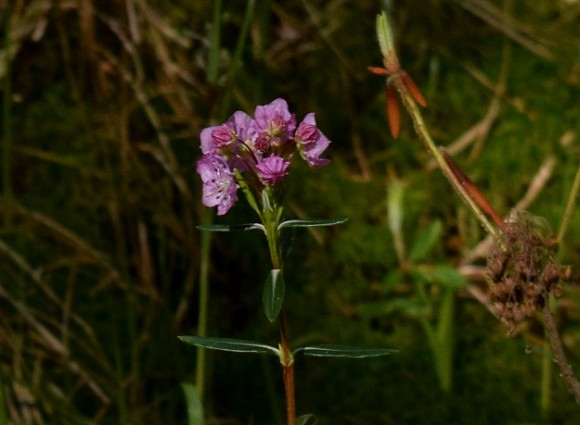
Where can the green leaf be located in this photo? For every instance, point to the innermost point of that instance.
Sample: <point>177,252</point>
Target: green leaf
<point>273,294</point>
<point>392,279</point>
<point>229,227</point>
<point>425,241</point>
<point>266,204</point>
<point>443,352</point>
<point>421,274</point>
<point>449,276</point>
<point>247,192</point>
<point>308,419</point>
<point>312,223</point>
<point>331,350</point>
<point>385,35</point>
<point>193,403</point>
<point>228,344</point>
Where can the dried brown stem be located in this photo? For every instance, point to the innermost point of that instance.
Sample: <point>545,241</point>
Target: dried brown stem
<point>559,354</point>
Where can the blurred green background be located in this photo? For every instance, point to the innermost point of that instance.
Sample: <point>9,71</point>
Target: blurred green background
<point>103,102</point>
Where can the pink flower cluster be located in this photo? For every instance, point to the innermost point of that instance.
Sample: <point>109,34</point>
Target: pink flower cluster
<point>258,148</point>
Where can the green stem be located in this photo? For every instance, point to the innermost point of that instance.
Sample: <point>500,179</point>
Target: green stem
<point>546,387</point>
<point>424,135</point>
<point>570,204</point>
<point>271,214</point>
<point>213,59</point>
<point>7,120</point>
<point>200,362</point>
<point>445,343</point>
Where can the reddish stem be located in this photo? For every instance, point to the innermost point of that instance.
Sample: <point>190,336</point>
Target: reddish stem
<point>474,192</point>
<point>287,361</point>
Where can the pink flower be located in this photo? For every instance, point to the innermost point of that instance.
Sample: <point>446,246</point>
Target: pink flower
<point>219,184</point>
<point>258,149</point>
<point>274,125</point>
<point>311,142</point>
<point>238,129</point>
<point>272,169</point>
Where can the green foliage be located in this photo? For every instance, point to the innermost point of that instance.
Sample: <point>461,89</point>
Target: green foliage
<point>229,344</point>
<point>331,350</point>
<point>273,294</point>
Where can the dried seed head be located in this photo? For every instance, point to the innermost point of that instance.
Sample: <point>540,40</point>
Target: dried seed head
<point>550,275</point>
<point>524,269</point>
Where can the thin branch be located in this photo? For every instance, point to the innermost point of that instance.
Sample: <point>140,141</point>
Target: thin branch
<point>559,354</point>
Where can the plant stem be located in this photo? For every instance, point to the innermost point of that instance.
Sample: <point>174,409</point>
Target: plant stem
<point>546,387</point>
<point>7,122</point>
<point>271,214</point>
<point>287,361</point>
<point>205,248</point>
<point>559,355</point>
<point>213,59</point>
<point>569,207</point>
<point>423,134</point>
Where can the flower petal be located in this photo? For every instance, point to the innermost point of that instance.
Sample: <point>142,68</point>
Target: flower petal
<point>273,169</point>
<point>311,141</point>
<point>219,184</point>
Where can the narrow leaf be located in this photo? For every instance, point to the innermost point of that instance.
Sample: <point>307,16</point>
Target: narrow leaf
<point>229,227</point>
<point>449,276</point>
<point>228,344</point>
<point>445,340</point>
<point>273,294</point>
<point>393,113</point>
<point>248,193</point>
<point>308,419</point>
<point>319,222</point>
<point>385,35</point>
<point>413,89</point>
<point>378,71</point>
<point>425,241</point>
<point>330,350</point>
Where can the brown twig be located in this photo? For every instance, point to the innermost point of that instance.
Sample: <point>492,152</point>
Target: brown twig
<point>559,354</point>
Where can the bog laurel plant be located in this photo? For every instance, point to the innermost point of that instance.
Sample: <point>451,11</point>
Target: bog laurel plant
<point>254,155</point>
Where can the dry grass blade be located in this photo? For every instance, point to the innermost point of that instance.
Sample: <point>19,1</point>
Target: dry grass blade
<point>64,236</point>
<point>514,29</point>
<point>50,345</point>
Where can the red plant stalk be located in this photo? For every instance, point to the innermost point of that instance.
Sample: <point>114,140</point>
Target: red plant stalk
<point>287,361</point>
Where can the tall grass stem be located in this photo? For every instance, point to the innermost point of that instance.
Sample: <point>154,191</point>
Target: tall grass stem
<point>570,204</point>
<point>7,120</point>
<point>205,248</point>
<point>214,51</point>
